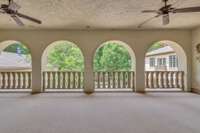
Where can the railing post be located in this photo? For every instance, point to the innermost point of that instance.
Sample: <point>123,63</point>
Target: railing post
<point>146,76</point>
<point>152,80</point>
<point>167,79</point>
<point>155,79</point>
<point>182,80</point>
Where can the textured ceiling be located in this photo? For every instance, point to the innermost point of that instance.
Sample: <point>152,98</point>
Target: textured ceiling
<point>99,14</point>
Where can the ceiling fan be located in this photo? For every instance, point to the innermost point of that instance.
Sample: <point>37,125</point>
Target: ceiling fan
<point>12,10</point>
<point>166,10</point>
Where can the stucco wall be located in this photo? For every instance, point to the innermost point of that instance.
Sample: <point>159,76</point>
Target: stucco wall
<point>196,63</point>
<point>89,41</point>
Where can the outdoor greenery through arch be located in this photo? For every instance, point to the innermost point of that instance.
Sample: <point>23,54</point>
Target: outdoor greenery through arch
<point>65,56</point>
<point>112,56</point>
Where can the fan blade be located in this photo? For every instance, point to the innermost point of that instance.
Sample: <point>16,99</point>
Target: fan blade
<point>166,19</point>
<point>185,10</point>
<point>1,10</point>
<point>149,11</point>
<point>29,18</point>
<point>139,26</point>
<point>17,20</point>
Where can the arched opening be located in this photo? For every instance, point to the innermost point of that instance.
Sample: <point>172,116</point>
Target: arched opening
<point>165,67</point>
<point>114,67</point>
<point>62,67</point>
<point>15,66</point>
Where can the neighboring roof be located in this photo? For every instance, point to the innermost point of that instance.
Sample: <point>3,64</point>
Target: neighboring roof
<point>13,61</point>
<point>160,51</point>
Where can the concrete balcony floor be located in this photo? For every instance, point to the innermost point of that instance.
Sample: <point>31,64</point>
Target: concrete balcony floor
<point>170,112</point>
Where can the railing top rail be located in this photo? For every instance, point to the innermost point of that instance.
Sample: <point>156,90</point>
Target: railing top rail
<point>114,71</point>
<point>62,71</point>
<point>16,71</point>
<point>164,71</point>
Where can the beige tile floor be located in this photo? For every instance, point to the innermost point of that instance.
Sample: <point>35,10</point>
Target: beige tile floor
<point>100,113</point>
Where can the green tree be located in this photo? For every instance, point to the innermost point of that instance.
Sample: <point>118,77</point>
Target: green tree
<point>65,56</point>
<point>112,57</point>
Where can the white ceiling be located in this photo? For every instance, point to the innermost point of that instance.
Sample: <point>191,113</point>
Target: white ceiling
<point>99,14</point>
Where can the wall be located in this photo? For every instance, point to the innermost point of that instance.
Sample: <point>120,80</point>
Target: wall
<point>196,63</point>
<point>89,41</point>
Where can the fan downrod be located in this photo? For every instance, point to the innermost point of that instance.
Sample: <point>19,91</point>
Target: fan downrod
<point>165,1</point>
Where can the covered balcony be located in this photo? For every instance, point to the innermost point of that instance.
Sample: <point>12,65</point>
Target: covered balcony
<point>99,66</point>
<point>64,66</point>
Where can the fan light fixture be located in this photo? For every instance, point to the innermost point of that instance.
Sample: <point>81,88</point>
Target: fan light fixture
<point>165,11</point>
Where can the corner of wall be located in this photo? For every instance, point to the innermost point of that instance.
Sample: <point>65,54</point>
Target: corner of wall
<point>195,61</point>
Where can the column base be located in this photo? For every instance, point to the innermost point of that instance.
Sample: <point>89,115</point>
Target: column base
<point>140,91</point>
<point>88,92</point>
<point>197,91</point>
<point>36,92</point>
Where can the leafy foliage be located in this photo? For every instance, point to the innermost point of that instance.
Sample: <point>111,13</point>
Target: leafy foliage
<point>65,56</point>
<point>112,57</point>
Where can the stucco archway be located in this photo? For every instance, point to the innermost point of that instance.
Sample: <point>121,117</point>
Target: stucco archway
<point>181,56</point>
<point>24,65</point>
<point>61,75</point>
<point>15,66</point>
<point>119,76</point>
<point>123,44</point>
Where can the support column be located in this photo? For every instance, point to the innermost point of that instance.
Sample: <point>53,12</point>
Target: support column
<point>88,75</point>
<point>88,65</point>
<point>140,73</point>
<point>36,73</point>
